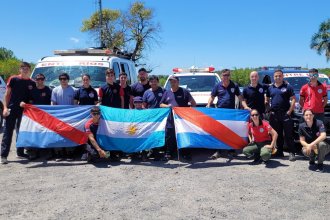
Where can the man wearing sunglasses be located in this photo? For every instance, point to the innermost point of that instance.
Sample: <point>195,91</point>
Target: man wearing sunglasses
<point>40,95</point>
<point>63,95</point>
<point>93,150</point>
<point>313,95</point>
<point>18,89</point>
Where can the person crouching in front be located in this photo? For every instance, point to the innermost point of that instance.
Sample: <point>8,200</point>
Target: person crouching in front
<point>93,150</point>
<point>262,139</point>
<point>312,135</point>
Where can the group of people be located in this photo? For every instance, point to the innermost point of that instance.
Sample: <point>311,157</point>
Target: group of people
<point>275,102</point>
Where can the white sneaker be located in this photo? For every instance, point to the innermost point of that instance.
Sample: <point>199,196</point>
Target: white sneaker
<point>4,160</point>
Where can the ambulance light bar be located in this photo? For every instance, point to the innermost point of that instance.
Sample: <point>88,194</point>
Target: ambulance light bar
<point>194,70</point>
<point>83,52</point>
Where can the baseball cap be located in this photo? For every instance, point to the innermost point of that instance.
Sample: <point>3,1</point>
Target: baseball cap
<point>173,77</point>
<point>137,99</point>
<point>95,109</point>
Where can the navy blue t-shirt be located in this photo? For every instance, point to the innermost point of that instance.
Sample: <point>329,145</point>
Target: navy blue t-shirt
<point>280,96</point>
<point>40,96</point>
<point>255,97</point>
<point>138,89</point>
<point>152,98</point>
<point>86,96</point>
<point>110,95</point>
<point>20,91</point>
<point>180,98</point>
<point>226,95</point>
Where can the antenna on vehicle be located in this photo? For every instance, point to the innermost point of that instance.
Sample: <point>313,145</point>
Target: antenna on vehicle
<point>102,45</point>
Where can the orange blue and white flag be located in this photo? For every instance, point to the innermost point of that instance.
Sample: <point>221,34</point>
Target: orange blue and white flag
<point>214,128</point>
<point>45,126</point>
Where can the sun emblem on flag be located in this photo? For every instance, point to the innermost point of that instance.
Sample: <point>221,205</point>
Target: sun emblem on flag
<point>132,129</point>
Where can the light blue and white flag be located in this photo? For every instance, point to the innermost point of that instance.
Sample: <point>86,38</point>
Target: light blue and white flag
<point>132,130</point>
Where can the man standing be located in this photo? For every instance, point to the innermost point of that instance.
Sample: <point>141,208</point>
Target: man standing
<point>254,94</point>
<point>226,91</point>
<point>282,105</point>
<point>138,89</point>
<point>40,95</point>
<point>151,98</point>
<point>175,97</point>
<point>125,91</point>
<point>109,93</point>
<point>18,90</point>
<point>313,95</point>
<point>63,95</point>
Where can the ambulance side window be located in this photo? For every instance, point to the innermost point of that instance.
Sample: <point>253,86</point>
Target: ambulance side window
<point>125,68</point>
<point>117,70</point>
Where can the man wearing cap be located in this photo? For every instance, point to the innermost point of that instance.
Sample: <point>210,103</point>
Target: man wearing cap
<point>138,89</point>
<point>18,90</point>
<point>151,97</point>
<point>109,93</point>
<point>175,97</point>
<point>313,95</point>
<point>226,91</point>
<point>93,149</point>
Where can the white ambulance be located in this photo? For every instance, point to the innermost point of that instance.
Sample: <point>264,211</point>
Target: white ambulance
<point>77,62</point>
<point>198,81</point>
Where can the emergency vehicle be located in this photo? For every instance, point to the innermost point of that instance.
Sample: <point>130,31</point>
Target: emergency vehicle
<point>198,81</point>
<point>77,62</point>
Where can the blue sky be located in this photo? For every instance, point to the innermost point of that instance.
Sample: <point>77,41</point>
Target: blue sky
<point>224,34</point>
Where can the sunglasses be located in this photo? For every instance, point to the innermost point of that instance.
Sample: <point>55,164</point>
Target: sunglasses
<point>95,113</point>
<point>225,75</point>
<point>40,79</point>
<point>254,115</point>
<point>314,75</point>
<point>63,78</point>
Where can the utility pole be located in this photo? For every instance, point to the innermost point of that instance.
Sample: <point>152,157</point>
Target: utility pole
<point>102,45</point>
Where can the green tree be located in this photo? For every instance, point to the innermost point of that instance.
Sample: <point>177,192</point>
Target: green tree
<point>112,28</point>
<point>321,40</point>
<point>9,67</point>
<point>142,30</point>
<point>134,30</point>
<point>6,54</point>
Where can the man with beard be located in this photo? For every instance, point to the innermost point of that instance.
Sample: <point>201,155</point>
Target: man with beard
<point>138,89</point>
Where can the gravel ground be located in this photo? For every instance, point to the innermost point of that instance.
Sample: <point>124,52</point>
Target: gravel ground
<point>203,189</point>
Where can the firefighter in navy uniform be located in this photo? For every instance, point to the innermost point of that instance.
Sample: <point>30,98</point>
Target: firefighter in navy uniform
<point>18,90</point>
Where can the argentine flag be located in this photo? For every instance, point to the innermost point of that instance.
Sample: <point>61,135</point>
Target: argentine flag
<point>131,130</point>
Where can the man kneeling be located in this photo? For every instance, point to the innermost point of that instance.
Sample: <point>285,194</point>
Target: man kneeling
<point>94,151</point>
<point>312,135</point>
